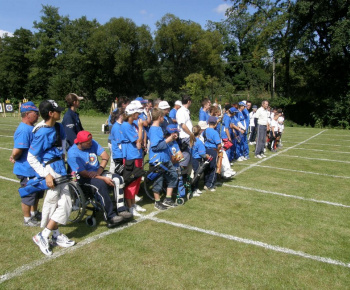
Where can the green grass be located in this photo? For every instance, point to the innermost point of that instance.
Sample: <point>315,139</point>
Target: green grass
<point>155,255</point>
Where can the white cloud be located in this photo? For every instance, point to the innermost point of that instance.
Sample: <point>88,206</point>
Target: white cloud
<point>221,9</point>
<point>3,32</point>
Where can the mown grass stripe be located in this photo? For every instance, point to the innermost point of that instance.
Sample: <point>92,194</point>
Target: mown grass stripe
<point>318,159</point>
<point>255,243</point>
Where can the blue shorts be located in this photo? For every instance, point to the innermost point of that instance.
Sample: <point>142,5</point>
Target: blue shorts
<point>170,176</point>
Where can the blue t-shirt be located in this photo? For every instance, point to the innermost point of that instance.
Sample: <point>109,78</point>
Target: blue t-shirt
<point>116,140</point>
<point>240,118</point>
<point>87,159</point>
<point>203,115</point>
<point>226,120</point>
<point>198,149</point>
<point>42,147</point>
<point>212,138</point>
<point>158,145</point>
<point>129,135</point>
<point>234,121</point>
<point>246,117</point>
<point>22,139</point>
<point>172,113</point>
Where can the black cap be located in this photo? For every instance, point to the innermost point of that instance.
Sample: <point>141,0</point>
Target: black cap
<point>49,106</point>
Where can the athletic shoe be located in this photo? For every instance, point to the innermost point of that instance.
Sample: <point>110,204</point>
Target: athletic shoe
<point>169,203</point>
<point>240,159</point>
<point>212,189</point>
<point>115,220</point>
<point>246,157</point>
<point>32,222</point>
<point>251,143</point>
<point>197,193</point>
<point>62,241</point>
<point>273,150</point>
<point>160,206</point>
<point>139,208</point>
<point>258,156</point>
<point>38,216</point>
<point>263,155</point>
<point>137,198</point>
<point>125,214</point>
<point>134,211</point>
<point>205,187</point>
<point>43,244</point>
<point>233,173</point>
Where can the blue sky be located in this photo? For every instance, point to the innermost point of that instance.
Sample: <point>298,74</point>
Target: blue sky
<point>21,13</point>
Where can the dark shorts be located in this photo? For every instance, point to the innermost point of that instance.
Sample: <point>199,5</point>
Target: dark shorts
<point>31,198</point>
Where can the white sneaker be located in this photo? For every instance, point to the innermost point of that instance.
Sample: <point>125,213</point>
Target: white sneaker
<point>43,244</point>
<point>233,173</point>
<point>251,143</point>
<point>263,155</point>
<point>62,241</point>
<point>258,156</point>
<point>240,159</point>
<point>212,189</point>
<point>139,208</point>
<point>244,158</point>
<point>137,198</point>
<point>196,193</point>
<point>134,211</point>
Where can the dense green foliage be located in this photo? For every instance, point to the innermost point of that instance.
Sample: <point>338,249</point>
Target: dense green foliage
<point>307,40</point>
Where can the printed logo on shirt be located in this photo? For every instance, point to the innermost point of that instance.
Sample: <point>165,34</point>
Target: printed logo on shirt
<point>92,159</point>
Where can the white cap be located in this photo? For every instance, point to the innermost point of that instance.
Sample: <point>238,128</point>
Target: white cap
<point>163,105</point>
<point>179,103</point>
<point>203,125</point>
<point>134,107</point>
<point>245,102</point>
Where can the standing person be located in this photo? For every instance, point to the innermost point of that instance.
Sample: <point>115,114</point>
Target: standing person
<point>164,106</point>
<point>186,137</point>
<point>173,111</point>
<point>245,113</point>
<point>131,144</point>
<point>252,131</point>
<point>46,157</point>
<point>71,121</point>
<point>22,139</point>
<point>116,140</point>
<point>204,110</point>
<point>262,114</point>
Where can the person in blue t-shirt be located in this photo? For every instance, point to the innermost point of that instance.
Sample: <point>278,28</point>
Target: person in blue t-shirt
<point>204,110</point>
<point>116,142</point>
<point>46,157</point>
<point>159,152</point>
<point>172,113</point>
<point>245,113</point>
<point>213,145</point>
<point>167,120</point>
<point>242,133</point>
<point>83,159</point>
<point>22,139</point>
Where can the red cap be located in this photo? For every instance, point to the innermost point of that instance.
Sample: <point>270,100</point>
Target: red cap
<point>83,136</point>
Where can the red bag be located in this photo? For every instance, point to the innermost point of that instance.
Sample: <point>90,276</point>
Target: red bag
<point>227,144</point>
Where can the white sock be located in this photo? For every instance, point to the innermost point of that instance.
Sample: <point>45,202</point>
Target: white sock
<point>55,233</point>
<point>32,213</point>
<point>27,218</point>
<point>46,233</point>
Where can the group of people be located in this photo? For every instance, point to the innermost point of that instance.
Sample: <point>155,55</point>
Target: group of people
<point>137,128</point>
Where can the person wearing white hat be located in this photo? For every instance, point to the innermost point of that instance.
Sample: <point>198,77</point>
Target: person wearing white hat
<point>172,114</point>
<point>167,120</point>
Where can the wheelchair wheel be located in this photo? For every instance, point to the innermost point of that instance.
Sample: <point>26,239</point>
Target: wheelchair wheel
<point>148,186</point>
<point>78,203</point>
<point>180,201</point>
<point>90,221</point>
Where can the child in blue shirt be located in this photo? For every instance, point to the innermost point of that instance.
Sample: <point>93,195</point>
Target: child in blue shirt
<point>159,147</point>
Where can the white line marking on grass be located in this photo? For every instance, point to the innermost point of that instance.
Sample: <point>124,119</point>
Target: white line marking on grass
<point>279,152</point>
<point>318,159</point>
<point>333,145</point>
<point>320,150</point>
<point>288,195</point>
<point>9,179</point>
<point>6,136</point>
<point>25,268</point>
<point>2,148</point>
<point>255,243</point>
<point>302,171</point>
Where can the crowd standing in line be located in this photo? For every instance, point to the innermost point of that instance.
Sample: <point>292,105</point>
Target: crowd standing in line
<point>137,127</point>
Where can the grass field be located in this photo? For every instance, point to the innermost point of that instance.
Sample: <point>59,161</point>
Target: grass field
<point>282,222</point>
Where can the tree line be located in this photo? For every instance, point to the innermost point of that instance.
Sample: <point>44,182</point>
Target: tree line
<point>294,53</point>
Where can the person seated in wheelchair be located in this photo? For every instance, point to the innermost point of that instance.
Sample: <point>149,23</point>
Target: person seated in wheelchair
<point>159,152</point>
<point>83,159</point>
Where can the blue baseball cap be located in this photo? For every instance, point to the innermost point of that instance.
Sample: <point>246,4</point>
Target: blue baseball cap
<point>233,110</point>
<point>212,119</point>
<point>172,128</point>
<point>242,104</point>
<point>141,100</point>
<point>28,106</point>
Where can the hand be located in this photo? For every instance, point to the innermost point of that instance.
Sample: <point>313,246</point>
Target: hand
<point>49,181</point>
<point>12,159</point>
<point>108,181</point>
<point>138,145</point>
<point>174,136</point>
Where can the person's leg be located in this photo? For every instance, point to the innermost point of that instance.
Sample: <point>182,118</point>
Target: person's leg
<point>195,166</point>
<point>210,175</point>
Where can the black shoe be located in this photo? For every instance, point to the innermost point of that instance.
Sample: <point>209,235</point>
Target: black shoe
<point>38,216</point>
<point>169,203</point>
<point>125,214</point>
<point>115,220</point>
<point>158,205</point>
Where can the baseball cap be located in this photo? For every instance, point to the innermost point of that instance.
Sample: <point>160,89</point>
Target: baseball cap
<point>242,104</point>
<point>83,136</point>
<point>141,100</point>
<point>179,103</point>
<point>163,105</point>
<point>172,128</point>
<point>233,110</point>
<point>203,125</point>
<point>50,106</point>
<point>72,97</point>
<point>28,106</point>
<point>255,107</point>
<point>134,107</point>
<point>212,119</point>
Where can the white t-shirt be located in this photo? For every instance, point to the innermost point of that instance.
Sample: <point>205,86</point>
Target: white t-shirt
<point>274,125</point>
<point>280,124</point>
<point>262,116</point>
<point>251,118</point>
<point>183,117</point>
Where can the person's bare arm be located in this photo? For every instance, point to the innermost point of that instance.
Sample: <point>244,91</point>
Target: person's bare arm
<point>16,153</point>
